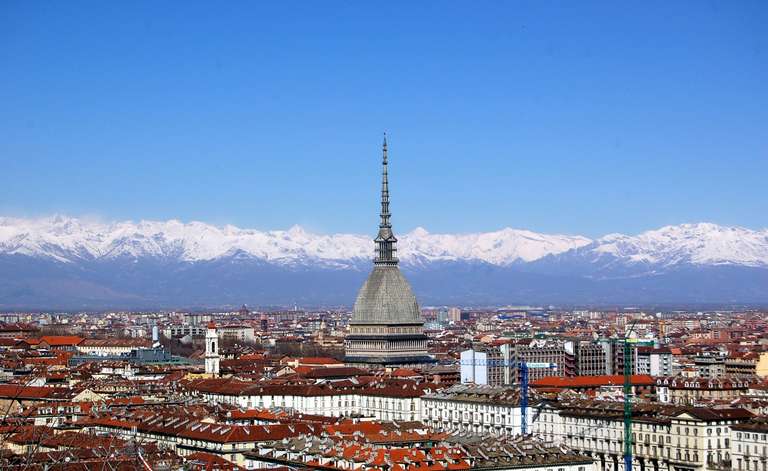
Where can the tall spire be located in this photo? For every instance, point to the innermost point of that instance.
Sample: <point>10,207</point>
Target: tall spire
<point>385,240</point>
<point>384,187</point>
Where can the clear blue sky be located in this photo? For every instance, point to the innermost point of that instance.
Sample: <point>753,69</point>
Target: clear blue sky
<point>574,117</point>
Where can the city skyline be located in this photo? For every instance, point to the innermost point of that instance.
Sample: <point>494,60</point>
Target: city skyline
<point>584,120</point>
<point>465,236</point>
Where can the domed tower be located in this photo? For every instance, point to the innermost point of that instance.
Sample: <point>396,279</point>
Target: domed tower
<point>386,328</point>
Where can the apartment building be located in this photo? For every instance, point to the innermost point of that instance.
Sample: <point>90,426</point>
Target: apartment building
<point>665,438</point>
<point>709,366</point>
<point>240,333</point>
<point>749,446</point>
<point>382,401</point>
<point>108,347</point>
<point>499,365</point>
<point>691,391</point>
<point>653,361</point>
<point>475,409</point>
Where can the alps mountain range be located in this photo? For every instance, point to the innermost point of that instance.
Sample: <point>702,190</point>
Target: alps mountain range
<point>62,262</point>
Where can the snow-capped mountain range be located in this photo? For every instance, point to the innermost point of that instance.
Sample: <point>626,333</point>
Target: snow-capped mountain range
<point>69,240</point>
<point>67,260</point>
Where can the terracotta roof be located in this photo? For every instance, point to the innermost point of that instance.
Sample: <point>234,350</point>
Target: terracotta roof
<point>334,372</point>
<point>318,361</point>
<point>404,373</point>
<point>592,381</point>
<point>61,340</point>
<point>208,461</point>
<point>17,391</point>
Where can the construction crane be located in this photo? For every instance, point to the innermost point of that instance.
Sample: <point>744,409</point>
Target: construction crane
<point>628,398</point>
<point>524,391</point>
<point>523,398</point>
<point>508,365</point>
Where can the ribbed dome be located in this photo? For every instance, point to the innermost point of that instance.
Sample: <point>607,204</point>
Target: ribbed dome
<point>386,298</point>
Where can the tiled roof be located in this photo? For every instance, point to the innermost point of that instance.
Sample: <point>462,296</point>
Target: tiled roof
<point>115,343</point>
<point>61,340</point>
<point>16,391</point>
<point>185,427</point>
<point>592,381</point>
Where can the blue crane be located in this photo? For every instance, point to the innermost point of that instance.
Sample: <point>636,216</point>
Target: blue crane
<point>524,366</point>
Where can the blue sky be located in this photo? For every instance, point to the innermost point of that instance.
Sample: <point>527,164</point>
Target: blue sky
<point>572,117</point>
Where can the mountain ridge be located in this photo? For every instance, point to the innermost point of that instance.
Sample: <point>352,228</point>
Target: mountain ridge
<point>67,239</point>
<point>61,261</point>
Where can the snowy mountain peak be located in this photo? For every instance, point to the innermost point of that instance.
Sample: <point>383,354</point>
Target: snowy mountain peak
<point>70,239</point>
<point>296,231</point>
<point>700,244</point>
<point>418,232</point>
<point>66,239</point>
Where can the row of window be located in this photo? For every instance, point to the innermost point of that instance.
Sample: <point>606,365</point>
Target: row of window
<point>755,436</point>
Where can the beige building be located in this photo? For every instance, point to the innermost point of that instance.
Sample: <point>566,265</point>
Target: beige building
<point>749,446</point>
<point>761,368</point>
<point>691,391</point>
<point>666,438</point>
<point>107,347</point>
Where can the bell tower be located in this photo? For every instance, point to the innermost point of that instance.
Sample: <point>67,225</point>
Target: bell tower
<point>212,350</point>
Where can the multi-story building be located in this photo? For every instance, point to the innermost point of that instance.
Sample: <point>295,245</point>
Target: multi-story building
<point>197,318</point>
<point>709,367</point>
<point>662,362</point>
<point>476,409</point>
<point>749,446</point>
<point>106,347</point>
<point>642,385</point>
<point>182,330</point>
<point>741,366</point>
<point>691,391</point>
<point>665,438</point>
<point>240,333</point>
<point>499,365</point>
<point>379,401</point>
<point>653,361</point>
<point>485,365</point>
<point>592,359</point>
<point>556,353</point>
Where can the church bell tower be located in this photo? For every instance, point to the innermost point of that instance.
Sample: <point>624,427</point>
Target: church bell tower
<point>212,350</point>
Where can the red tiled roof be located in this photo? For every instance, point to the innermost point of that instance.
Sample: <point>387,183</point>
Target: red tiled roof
<point>592,381</point>
<point>318,361</point>
<point>61,340</point>
<point>17,391</point>
<point>404,373</point>
<point>334,372</point>
<point>206,461</point>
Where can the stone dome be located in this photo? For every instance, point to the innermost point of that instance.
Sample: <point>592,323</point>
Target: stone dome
<point>386,298</point>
